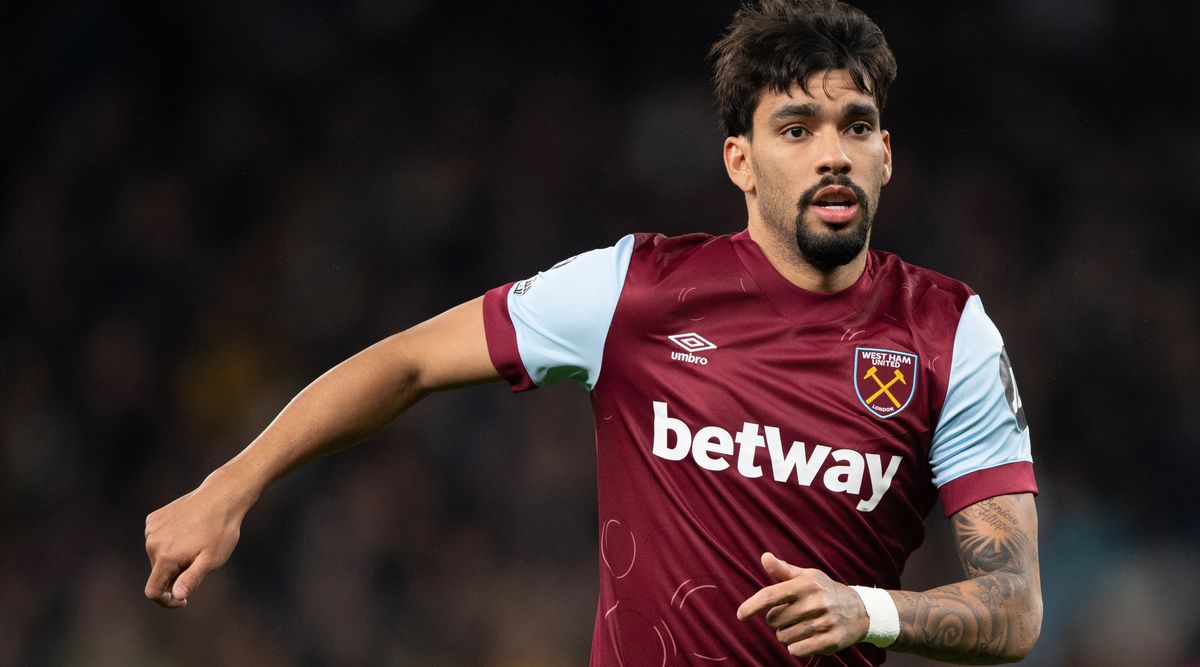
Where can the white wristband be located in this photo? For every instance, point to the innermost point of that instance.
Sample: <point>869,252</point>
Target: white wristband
<point>881,610</point>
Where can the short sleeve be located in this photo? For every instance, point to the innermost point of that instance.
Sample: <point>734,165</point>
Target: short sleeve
<point>553,326</point>
<point>981,445</point>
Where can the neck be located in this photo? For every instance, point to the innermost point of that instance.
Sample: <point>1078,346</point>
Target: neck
<point>786,259</point>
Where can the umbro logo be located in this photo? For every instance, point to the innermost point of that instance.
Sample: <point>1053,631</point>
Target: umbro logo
<point>692,342</point>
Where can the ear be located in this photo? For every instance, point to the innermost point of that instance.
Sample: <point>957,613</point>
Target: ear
<point>737,163</point>
<point>887,156</point>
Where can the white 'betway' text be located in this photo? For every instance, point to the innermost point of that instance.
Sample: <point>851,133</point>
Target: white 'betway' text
<point>711,446</point>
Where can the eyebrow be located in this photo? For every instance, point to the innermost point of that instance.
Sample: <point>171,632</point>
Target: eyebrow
<point>807,110</point>
<point>789,111</point>
<point>862,110</point>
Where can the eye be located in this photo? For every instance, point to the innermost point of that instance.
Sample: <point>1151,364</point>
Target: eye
<point>860,129</point>
<point>796,132</point>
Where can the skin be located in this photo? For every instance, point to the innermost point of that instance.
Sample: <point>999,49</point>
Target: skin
<point>196,533</point>
<point>996,614</point>
<point>789,153</point>
<point>993,616</point>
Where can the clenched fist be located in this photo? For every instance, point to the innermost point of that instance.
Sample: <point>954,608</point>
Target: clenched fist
<point>191,537</point>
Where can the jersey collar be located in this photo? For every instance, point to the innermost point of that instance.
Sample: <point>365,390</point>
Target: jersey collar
<point>796,303</point>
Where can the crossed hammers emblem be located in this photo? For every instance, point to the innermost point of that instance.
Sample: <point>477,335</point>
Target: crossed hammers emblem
<point>873,373</point>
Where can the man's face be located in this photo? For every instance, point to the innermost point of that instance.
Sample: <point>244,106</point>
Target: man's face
<point>819,160</point>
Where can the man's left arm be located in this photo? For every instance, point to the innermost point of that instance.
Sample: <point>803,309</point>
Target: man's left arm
<point>992,617</point>
<point>995,615</point>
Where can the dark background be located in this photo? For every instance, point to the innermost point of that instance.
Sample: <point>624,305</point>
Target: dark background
<point>205,205</point>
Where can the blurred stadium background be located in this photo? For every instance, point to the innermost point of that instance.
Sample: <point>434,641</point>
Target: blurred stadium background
<point>205,205</point>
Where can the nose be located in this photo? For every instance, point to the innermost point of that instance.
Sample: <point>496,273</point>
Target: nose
<point>832,158</point>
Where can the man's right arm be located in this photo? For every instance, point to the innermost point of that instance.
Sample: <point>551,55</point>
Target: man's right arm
<point>195,534</point>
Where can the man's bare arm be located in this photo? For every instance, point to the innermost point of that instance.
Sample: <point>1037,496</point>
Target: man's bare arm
<point>195,534</point>
<point>994,616</point>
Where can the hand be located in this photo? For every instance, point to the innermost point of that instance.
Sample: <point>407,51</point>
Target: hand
<point>191,537</point>
<point>810,612</point>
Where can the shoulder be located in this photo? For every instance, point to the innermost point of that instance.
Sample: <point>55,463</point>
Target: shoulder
<point>673,247</point>
<point>927,291</point>
<point>659,254</point>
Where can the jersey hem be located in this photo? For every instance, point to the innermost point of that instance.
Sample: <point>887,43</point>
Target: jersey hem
<point>1003,479</point>
<point>502,339</point>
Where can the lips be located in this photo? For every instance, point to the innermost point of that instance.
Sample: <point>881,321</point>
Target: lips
<point>835,205</point>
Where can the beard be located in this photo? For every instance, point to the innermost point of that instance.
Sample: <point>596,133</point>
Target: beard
<point>825,249</point>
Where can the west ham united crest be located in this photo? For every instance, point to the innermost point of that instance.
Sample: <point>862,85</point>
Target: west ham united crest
<point>885,380</point>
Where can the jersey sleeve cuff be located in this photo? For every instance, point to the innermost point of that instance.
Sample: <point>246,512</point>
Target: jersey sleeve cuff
<point>1016,477</point>
<point>502,339</point>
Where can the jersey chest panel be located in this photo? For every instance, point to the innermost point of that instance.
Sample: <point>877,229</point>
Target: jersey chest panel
<point>710,353</point>
<point>725,430</point>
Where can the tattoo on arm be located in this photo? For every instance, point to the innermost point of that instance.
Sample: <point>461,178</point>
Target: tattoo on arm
<point>995,615</point>
<point>990,539</point>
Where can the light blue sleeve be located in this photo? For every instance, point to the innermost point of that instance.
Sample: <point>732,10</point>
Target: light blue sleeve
<point>982,423</point>
<point>562,315</point>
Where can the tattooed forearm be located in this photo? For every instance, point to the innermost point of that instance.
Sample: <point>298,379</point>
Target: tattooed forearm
<point>991,539</point>
<point>994,616</point>
<point>978,622</point>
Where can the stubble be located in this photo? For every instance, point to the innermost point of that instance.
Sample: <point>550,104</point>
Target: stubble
<point>823,249</point>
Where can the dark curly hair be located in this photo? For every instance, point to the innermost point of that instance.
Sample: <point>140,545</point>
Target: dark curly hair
<point>774,44</point>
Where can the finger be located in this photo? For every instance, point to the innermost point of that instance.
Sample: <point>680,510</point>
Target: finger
<point>189,580</point>
<point>818,644</point>
<point>159,583</point>
<point>787,615</point>
<point>802,630</point>
<point>780,570</point>
<point>766,598</point>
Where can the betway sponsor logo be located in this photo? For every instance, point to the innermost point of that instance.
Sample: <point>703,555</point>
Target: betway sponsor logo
<point>712,447</point>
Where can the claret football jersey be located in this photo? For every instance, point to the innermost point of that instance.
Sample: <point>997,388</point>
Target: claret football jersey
<point>737,413</point>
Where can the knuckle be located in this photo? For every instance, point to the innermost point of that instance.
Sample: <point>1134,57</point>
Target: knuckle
<point>773,617</point>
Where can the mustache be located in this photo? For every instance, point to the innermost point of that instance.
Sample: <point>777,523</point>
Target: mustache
<point>841,180</point>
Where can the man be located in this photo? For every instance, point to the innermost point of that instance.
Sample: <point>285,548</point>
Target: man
<point>776,410</point>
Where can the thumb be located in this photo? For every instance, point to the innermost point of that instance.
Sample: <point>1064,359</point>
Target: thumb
<point>779,570</point>
<point>189,580</point>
